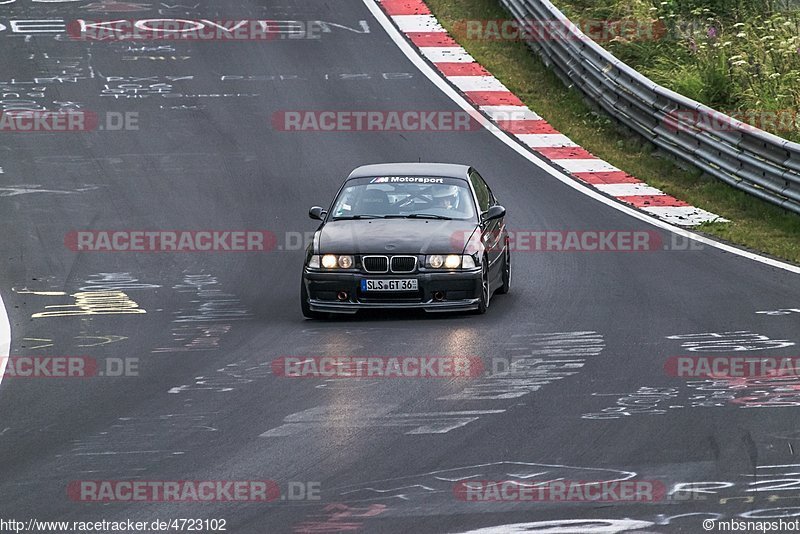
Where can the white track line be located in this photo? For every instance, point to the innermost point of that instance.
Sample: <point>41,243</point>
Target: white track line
<point>5,339</point>
<point>448,90</point>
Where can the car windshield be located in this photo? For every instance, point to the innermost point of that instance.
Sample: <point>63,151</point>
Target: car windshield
<point>405,197</point>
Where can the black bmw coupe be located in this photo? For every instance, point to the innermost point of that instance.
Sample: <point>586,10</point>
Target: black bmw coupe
<point>426,236</point>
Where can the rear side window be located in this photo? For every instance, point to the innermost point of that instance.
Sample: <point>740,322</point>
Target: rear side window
<point>481,191</point>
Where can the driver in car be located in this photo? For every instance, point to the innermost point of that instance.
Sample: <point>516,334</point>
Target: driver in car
<point>445,197</point>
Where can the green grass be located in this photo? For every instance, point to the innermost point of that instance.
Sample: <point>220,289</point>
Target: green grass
<point>755,224</point>
<point>732,55</point>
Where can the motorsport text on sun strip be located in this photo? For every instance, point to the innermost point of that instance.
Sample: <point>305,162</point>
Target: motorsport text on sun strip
<point>378,367</point>
<point>560,491</point>
<point>732,366</point>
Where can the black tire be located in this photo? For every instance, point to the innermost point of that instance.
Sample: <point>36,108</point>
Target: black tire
<point>306,309</point>
<point>486,290</point>
<point>506,287</point>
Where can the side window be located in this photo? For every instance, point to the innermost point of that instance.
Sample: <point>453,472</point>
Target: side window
<point>481,191</point>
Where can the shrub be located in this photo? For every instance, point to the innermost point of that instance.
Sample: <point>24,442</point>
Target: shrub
<point>733,55</point>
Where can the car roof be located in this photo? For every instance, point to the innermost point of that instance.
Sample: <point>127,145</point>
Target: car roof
<point>439,170</point>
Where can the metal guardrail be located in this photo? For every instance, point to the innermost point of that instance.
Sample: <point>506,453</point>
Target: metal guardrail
<point>745,157</point>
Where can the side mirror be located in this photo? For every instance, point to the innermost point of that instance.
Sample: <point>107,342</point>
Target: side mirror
<point>495,212</point>
<point>317,213</point>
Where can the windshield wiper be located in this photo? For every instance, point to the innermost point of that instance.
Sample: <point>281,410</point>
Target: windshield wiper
<point>427,216</point>
<point>357,217</point>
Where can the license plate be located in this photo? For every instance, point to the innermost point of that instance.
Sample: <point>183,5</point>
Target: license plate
<point>389,285</point>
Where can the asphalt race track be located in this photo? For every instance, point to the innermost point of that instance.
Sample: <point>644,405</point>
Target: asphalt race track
<point>199,331</point>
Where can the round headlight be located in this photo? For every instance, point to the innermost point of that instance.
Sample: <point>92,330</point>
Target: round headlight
<point>329,261</point>
<point>345,262</point>
<point>436,261</point>
<point>452,261</point>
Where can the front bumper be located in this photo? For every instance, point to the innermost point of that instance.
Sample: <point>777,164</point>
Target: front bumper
<point>461,291</point>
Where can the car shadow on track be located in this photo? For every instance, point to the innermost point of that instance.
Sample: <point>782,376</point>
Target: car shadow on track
<point>374,316</point>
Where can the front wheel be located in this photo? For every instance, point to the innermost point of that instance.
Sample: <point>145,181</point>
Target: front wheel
<point>308,313</point>
<point>506,287</point>
<point>486,294</point>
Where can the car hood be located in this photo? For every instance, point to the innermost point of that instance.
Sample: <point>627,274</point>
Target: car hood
<point>395,236</point>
